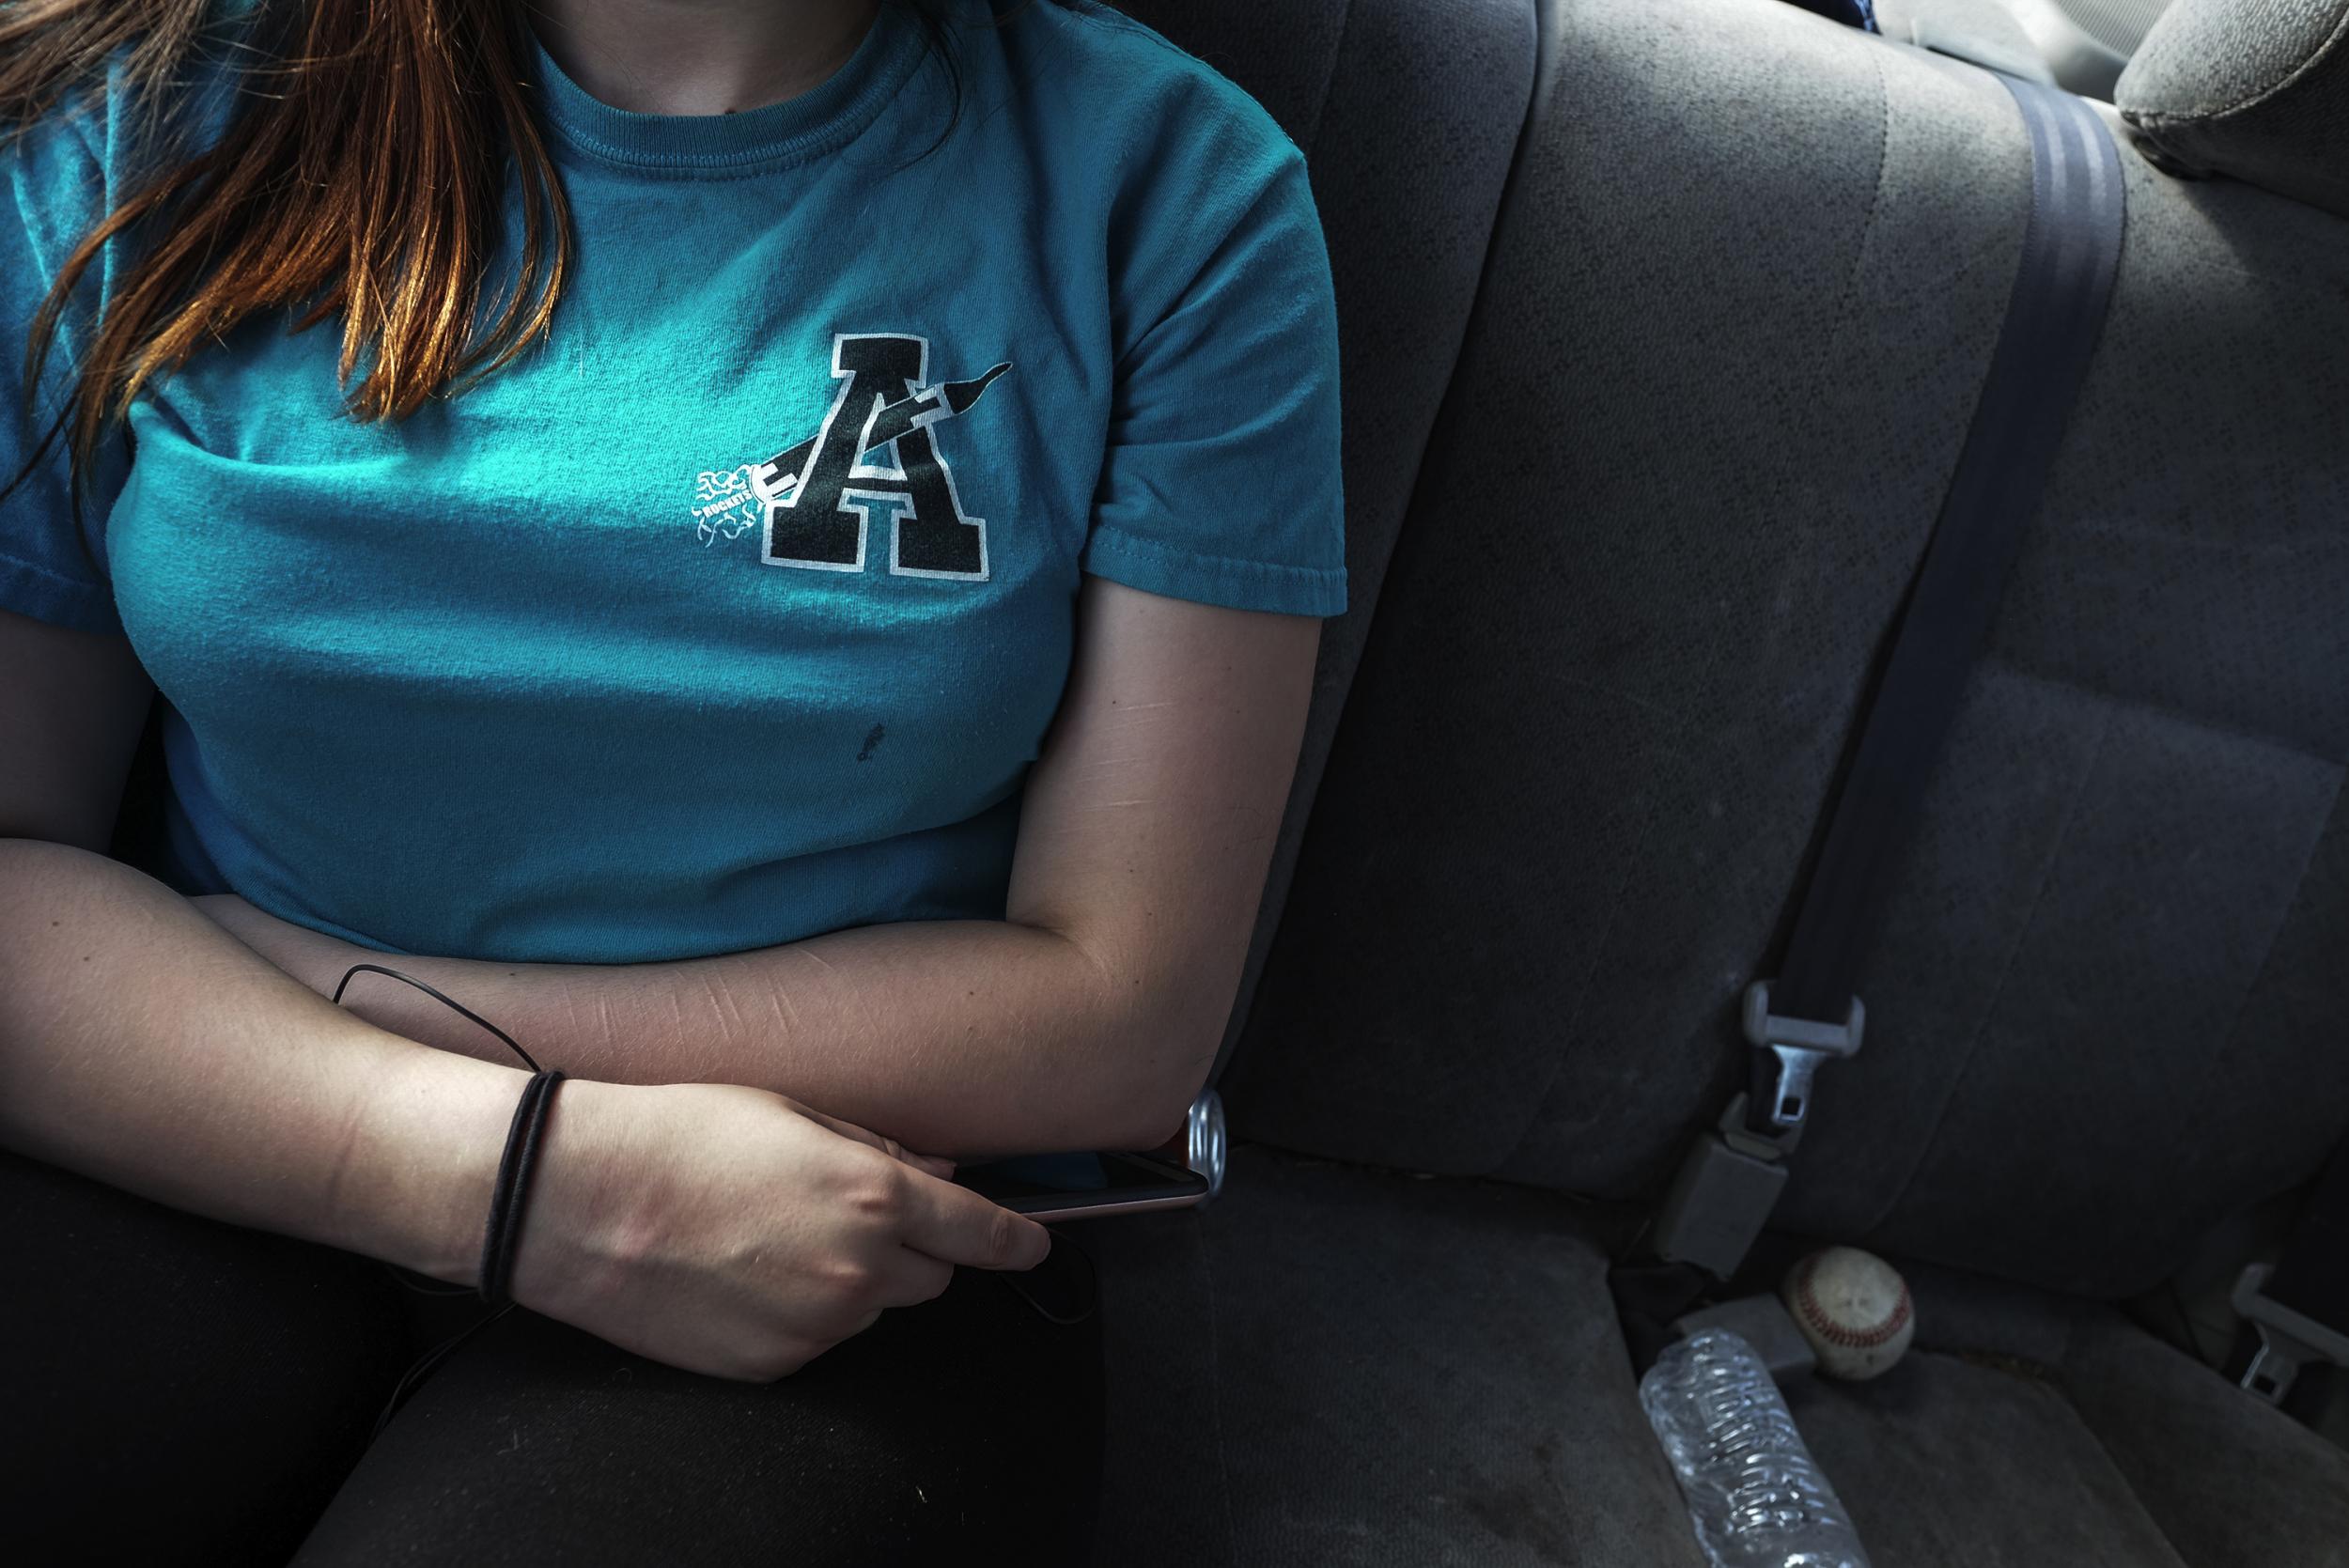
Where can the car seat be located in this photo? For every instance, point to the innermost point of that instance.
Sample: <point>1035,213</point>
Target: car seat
<point>1572,744</point>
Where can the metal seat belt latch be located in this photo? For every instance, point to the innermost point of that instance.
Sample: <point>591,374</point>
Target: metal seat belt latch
<point>2288,1341</point>
<point>1730,1181</point>
<point>1799,1044</point>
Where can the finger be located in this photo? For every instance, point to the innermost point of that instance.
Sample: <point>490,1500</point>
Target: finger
<point>911,1278</point>
<point>957,1225</point>
<point>889,1146</point>
<point>844,1128</point>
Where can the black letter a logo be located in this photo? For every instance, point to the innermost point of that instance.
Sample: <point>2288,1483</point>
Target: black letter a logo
<point>821,494</point>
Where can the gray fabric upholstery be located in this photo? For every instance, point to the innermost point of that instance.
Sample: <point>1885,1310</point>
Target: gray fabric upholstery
<point>1287,67</point>
<point>1740,302</point>
<point>1333,1364</point>
<point>2229,1479</point>
<point>1983,31</point>
<point>1408,112</point>
<point>1688,310</point>
<point>1945,1459</point>
<point>2254,88</point>
<point>1330,1365</point>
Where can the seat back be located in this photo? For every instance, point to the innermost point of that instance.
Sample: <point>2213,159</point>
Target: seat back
<point>1741,299</point>
<point>1408,113</point>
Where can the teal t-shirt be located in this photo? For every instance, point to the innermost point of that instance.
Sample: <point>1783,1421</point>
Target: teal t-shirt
<point>737,611</point>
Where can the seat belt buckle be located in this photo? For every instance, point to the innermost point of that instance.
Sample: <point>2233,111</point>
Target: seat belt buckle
<point>1798,1045</point>
<point>1721,1196</point>
<point>2288,1341</point>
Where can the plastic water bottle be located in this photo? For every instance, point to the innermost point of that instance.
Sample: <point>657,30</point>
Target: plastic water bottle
<point>1756,1497</point>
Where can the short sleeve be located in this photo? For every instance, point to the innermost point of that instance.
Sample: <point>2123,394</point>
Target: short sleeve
<point>1221,480</point>
<point>49,570</point>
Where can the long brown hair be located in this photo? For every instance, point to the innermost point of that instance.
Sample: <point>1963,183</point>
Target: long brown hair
<point>361,175</point>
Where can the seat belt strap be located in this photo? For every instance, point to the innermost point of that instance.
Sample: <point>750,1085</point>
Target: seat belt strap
<point>1811,1013</point>
<point>2297,1312</point>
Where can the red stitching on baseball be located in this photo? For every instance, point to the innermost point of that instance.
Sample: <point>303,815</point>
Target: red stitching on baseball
<point>1855,1339</point>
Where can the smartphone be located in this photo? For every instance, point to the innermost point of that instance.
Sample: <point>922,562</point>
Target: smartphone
<point>1083,1185</point>
<point>1186,1169</point>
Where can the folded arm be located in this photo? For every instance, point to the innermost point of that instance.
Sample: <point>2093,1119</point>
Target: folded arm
<point>1087,1019</point>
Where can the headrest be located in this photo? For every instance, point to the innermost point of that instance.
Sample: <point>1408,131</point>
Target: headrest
<point>2258,89</point>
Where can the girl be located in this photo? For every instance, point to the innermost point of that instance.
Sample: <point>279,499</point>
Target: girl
<point>773,550</point>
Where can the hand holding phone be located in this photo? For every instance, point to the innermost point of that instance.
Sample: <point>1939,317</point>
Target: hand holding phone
<point>1083,1185</point>
<point>1186,1169</point>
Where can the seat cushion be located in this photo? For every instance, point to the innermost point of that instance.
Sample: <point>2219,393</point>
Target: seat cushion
<point>2229,1479</point>
<point>1330,1364</point>
<point>1339,1364</point>
<point>2031,1428</point>
<point>1949,1459</point>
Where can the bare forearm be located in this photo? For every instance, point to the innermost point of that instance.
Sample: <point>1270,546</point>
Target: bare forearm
<point>965,1038</point>
<point>1088,1017</point>
<point>142,1047</point>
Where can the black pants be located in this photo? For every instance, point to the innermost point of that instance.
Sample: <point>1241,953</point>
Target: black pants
<point>179,1390</point>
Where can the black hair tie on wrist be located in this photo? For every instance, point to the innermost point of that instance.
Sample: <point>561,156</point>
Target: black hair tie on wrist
<point>511,1192</point>
<point>506,1198</point>
<point>513,1185</point>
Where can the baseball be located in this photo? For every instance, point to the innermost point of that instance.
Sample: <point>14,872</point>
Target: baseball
<point>1854,1309</point>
